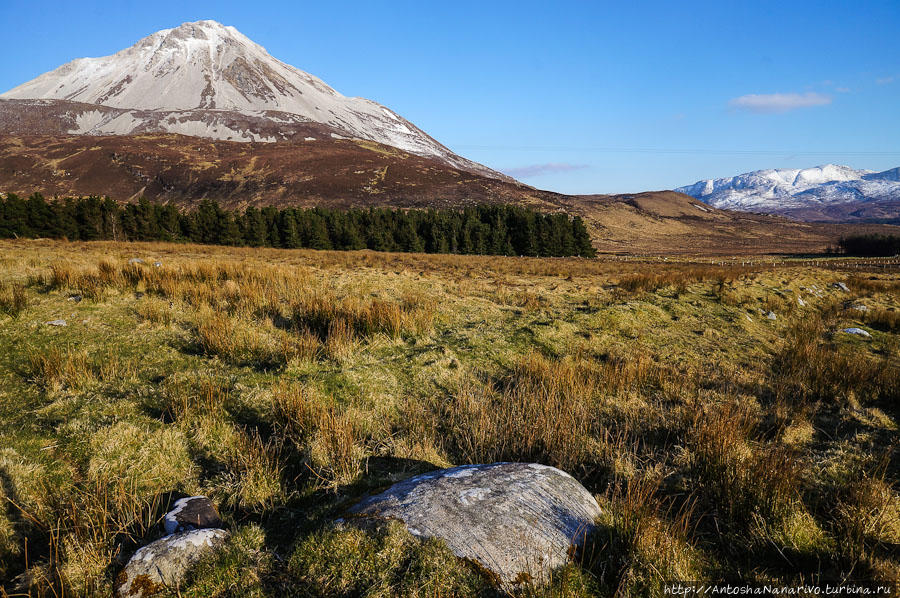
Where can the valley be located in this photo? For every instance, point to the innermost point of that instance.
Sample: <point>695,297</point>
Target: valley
<point>545,394</point>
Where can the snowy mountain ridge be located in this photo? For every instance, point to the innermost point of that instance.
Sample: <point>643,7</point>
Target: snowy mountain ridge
<point>206,66</point>
<point>783,190</point>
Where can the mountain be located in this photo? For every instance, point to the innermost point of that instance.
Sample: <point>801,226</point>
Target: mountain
<point>829,192</point>
<point>200,111</point>
<point>341,173</point>
<point>208,80</point>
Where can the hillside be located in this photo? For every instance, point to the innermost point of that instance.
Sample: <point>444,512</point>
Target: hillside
<point>183,169</point>
<point>342,173</point>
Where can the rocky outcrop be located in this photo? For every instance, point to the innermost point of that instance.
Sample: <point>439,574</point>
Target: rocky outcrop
<point>193,512</point>
<point>518,521</point>
<point>192,529</point>
<point>164,563</point>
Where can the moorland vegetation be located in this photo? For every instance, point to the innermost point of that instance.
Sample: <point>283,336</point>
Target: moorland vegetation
<point>288,384</point>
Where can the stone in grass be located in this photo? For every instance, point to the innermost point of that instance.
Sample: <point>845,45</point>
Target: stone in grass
<point>193,512</point>
<point>771,315</point>
<point>856,331</point>
<point>854,306</point>
<point>163,564</point>
<point>135,260</point>
<point>518,521</point>
<point>56,323</point>
<point>840,286</point>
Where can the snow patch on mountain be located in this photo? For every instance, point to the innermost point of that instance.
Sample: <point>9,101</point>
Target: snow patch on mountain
<point>784,189</point>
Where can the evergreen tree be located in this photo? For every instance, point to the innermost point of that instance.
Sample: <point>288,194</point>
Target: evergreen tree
<point>492,230</point>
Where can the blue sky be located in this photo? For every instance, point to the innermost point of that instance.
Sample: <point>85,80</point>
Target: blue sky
<point>578,97</point>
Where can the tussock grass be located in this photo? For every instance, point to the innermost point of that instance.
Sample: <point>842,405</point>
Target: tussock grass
<point>13,300</point>
<point>286,385</point>
<point>641,541</point>
<point>741,477</point>
<point>812,368</point>
<point>882,319</point>
<point>873,284</point>
<point>56,368</point>
<point>542,411</point>
<point>677,278</point>
<point>388,562</point>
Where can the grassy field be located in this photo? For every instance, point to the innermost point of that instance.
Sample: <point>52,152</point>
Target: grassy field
<point>285,385</point>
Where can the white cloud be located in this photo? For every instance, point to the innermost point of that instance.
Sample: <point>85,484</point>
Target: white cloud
<point>779,102</point>
<point>885,80</point>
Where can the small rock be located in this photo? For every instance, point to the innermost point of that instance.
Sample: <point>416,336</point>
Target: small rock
<point>855,306</point>
<point>164,563</point>
<point>157,264</point>
<point>517,520</point>
<point>56,323</point>
<point>135,260</point>
<point>840,286</point>
<point>749,319</point>
<point>771,316</point>
<point>193,512</point>
<point>76,298</point>
<point>801,302</point>
<point>856,331</point>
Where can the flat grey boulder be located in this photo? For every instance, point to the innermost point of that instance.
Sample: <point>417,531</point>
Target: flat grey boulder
<point>518,521</point>
<point>193,512</point>
<point>771,316</point>
<point>56,323</point>
<point>840,286</point>
<point>135,260</point>
<point>163,564</point>
<point>856,331</point>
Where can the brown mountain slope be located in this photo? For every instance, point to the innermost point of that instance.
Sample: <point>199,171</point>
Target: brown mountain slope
<point>355,173</point>
<point>184,170</point>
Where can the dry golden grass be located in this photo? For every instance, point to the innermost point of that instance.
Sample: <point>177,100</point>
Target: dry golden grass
<point>12,299</point>
<point>286,385</point>
<point>55,368</point>
<point>811,367</point>
<point>882,319</point>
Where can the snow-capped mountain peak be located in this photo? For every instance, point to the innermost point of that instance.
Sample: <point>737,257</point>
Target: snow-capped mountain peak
<point>196,65</point>
<point>206,66</point>
<point>787,190</point>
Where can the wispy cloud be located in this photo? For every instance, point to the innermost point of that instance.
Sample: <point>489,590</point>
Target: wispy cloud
<point>885,80</point>
<point>842,89</point>
<point>533,170</point>
<point>779,102</point>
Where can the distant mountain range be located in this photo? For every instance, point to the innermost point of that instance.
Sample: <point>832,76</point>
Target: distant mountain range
<point>830,193</point>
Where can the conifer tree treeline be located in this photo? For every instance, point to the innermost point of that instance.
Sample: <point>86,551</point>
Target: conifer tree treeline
<point>486,229</point>
<point>871,245</point>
